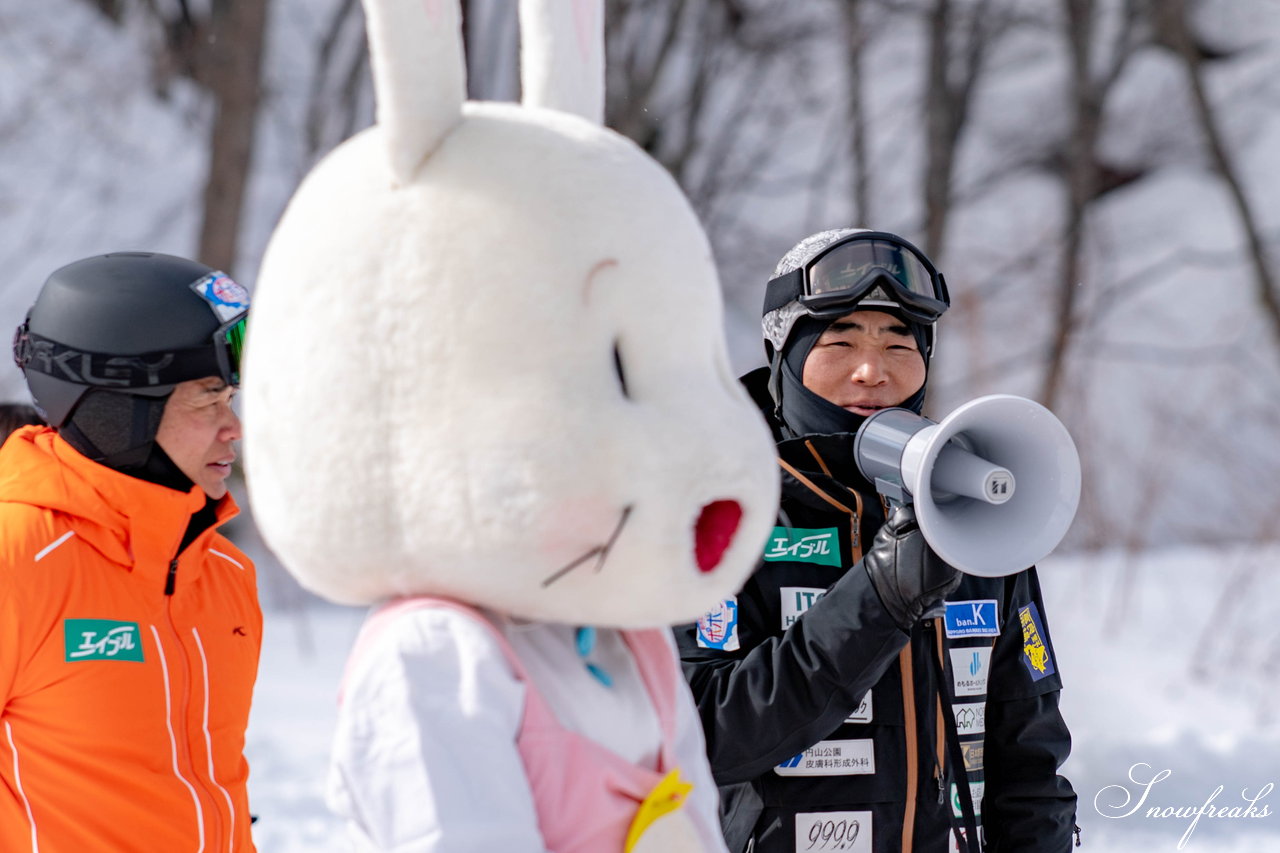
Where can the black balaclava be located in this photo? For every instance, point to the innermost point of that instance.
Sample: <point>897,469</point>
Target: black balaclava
<point>805,413</point>
<point>118,430</point>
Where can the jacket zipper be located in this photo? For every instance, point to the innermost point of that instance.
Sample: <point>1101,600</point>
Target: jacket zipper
<point>855,526</point>
<point>855,534</point>
<point>203,794</point>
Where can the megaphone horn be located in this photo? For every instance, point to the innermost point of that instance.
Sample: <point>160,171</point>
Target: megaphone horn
<point>995,484</point>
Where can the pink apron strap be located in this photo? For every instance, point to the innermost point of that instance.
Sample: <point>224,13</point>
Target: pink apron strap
<point>660,672</point>
<point>382,617</point>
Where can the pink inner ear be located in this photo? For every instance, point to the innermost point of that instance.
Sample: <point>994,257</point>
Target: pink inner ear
<point>585,23</point>
<point>591,276</point>
<point>433,9</point>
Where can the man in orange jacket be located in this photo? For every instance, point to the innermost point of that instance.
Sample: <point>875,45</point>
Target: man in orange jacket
<point>129,627</point>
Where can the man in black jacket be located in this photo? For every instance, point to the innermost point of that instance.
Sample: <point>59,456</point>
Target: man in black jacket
<point>825,685</point>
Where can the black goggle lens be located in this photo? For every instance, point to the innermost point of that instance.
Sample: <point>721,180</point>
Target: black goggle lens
<point>233,340</point>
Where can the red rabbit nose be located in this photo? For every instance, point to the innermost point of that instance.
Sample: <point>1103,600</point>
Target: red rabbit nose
<point>717,523</point>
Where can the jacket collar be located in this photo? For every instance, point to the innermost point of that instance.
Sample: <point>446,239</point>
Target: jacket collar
<point>133,523</point>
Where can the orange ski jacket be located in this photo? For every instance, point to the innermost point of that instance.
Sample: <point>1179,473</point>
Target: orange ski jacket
<point>126,668</point>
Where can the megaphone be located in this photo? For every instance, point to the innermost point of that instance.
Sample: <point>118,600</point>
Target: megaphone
<point>995,484</point>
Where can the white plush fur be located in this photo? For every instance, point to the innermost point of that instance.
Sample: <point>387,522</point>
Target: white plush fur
<point>562,57</point>
<point>430,398</point>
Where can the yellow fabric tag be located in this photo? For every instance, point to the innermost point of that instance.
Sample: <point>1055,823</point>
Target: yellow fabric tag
<point>667,796</point>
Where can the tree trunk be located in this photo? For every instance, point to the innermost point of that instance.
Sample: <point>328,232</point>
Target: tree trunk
<point>940,130</point>
<point>1081,173</point>
<point>232,70</point>
<point>855,42</point>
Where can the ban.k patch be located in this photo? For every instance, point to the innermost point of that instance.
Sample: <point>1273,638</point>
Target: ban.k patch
<point>972,618</point>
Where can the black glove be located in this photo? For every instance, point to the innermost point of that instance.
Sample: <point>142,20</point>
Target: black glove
<point>910,579</point>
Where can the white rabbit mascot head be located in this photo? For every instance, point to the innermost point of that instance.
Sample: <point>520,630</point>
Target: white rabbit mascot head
<point>486,359</point>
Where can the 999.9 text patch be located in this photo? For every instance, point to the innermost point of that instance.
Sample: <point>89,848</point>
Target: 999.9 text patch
<point>847,831</point>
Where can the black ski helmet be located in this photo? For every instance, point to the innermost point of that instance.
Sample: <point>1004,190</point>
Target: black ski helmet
<point>108,338</point>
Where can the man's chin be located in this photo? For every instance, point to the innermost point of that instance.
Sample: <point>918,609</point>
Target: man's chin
<point>216,491</point>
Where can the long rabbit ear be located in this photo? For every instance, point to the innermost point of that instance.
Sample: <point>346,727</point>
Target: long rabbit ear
<point>419,75</point>
<point>562,56</point>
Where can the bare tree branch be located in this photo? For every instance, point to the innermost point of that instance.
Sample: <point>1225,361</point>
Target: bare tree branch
<point>952,75</point>
<point>1089,92</point>
<point>1170,20</point>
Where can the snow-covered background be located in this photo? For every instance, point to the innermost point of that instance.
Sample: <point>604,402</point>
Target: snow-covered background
<point>1161,602</point>
<point>1179,678</point>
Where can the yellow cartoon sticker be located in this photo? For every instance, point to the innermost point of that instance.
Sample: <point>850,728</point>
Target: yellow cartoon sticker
<point>1035,654</point>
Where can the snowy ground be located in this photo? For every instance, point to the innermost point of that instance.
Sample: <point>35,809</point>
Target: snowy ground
<point>1174,675</point>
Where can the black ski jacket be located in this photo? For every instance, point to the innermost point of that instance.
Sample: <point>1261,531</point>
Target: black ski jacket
<point>799,683</point>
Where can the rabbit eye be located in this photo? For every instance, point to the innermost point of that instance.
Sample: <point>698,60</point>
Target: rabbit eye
<point>621,372</point>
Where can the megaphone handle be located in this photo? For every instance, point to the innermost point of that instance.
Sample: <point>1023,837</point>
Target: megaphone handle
<point>893,493</point>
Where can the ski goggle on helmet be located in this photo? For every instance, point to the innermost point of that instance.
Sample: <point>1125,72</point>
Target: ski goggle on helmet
<point>865,269</point>
<point>228,339</point>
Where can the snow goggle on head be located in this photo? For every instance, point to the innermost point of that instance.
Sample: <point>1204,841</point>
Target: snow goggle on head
<point>228,347</point>
<point>230,302</point>
<point>866,269</point>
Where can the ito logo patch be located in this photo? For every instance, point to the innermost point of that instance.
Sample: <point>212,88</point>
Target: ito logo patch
<point>795,600</point>
<point>718,629</point>
<point>800,545</point>
<point>1035,654</point>
<point>101,639</point>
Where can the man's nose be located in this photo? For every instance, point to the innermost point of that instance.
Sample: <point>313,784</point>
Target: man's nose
<point>232,430</point>
<point>868,371</point>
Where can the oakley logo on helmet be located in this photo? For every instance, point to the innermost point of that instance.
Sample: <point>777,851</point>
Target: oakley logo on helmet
<point>33,352</point>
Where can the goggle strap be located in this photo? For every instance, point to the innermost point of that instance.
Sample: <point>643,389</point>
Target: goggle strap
<point>145,370</point>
